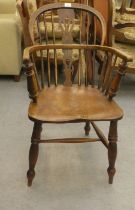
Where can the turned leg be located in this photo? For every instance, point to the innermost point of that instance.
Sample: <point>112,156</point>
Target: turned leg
<point>87,128</point>
<point>33,153</point>
<point>112,150</point>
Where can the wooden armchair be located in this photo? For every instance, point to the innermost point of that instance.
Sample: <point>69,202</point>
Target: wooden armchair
<point>62,100</point>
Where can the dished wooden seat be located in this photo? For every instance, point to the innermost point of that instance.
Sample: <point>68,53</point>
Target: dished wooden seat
<point>58,104</point>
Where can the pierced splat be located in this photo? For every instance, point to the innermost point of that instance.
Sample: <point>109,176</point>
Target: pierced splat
<point>66,22</point>
<point>68,72</point>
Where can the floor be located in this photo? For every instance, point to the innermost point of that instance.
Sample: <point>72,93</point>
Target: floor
<point>68,177</point>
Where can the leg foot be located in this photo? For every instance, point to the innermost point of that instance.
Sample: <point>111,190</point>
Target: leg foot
<point>30,177</point>
<point>33,153</point>
<point>87,128</point>
<point>112,150</point>
<point>111,173</point>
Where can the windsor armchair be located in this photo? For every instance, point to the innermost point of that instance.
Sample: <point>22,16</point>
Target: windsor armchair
<point>62,100</point>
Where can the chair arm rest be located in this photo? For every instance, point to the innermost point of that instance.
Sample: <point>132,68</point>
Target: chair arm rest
<point>118,53</point>
<point>7,6</point>
<point>31,49</point>
<point>120,72</point>
<point>109,50</point>
<point>10,41</point>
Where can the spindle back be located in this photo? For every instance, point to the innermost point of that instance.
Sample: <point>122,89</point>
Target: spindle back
<point>74,54</point>
<point>69,15</point>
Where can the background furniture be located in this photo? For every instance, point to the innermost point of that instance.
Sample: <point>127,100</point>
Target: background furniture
<point>124,31</point>
<point>27,7</point>
<point>115,31</point>
<point>10,40</point>
<point>23,11</point>
<point>61,100</point>
<point>132,3</point>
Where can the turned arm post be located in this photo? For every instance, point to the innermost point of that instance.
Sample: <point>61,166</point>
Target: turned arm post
<point>116,81</point>
<point>32,85</point>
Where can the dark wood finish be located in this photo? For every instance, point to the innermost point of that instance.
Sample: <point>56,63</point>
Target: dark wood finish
<point>100,135</point>
<point>105,7</point>
<point>87,128</point>
<point>34,149</point>
<point>112,150</point>
<point>69,140</point>
<point>63,100</point>
<point>132,3</point>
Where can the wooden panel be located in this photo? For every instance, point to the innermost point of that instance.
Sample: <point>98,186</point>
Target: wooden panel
<point>105,8</point>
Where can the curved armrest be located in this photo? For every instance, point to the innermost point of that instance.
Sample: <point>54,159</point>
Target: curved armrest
<point>32,49</point>
<point>33,87</point>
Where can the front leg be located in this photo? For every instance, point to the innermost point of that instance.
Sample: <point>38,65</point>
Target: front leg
<point>33,153</point>
<point>112,150</point>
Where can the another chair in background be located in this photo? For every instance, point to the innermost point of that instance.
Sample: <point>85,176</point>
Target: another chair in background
<point>124,31</point>
<point>27,7</point>
<point>61,100</point>
<point>10,40</point>
<point>132,4</point>
<point>116,32</point>
<point>124,14</point>
<point>24,10</point>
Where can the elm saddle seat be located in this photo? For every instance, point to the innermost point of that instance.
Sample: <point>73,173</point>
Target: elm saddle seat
<point>60,104</point>
<point>88,96</point>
